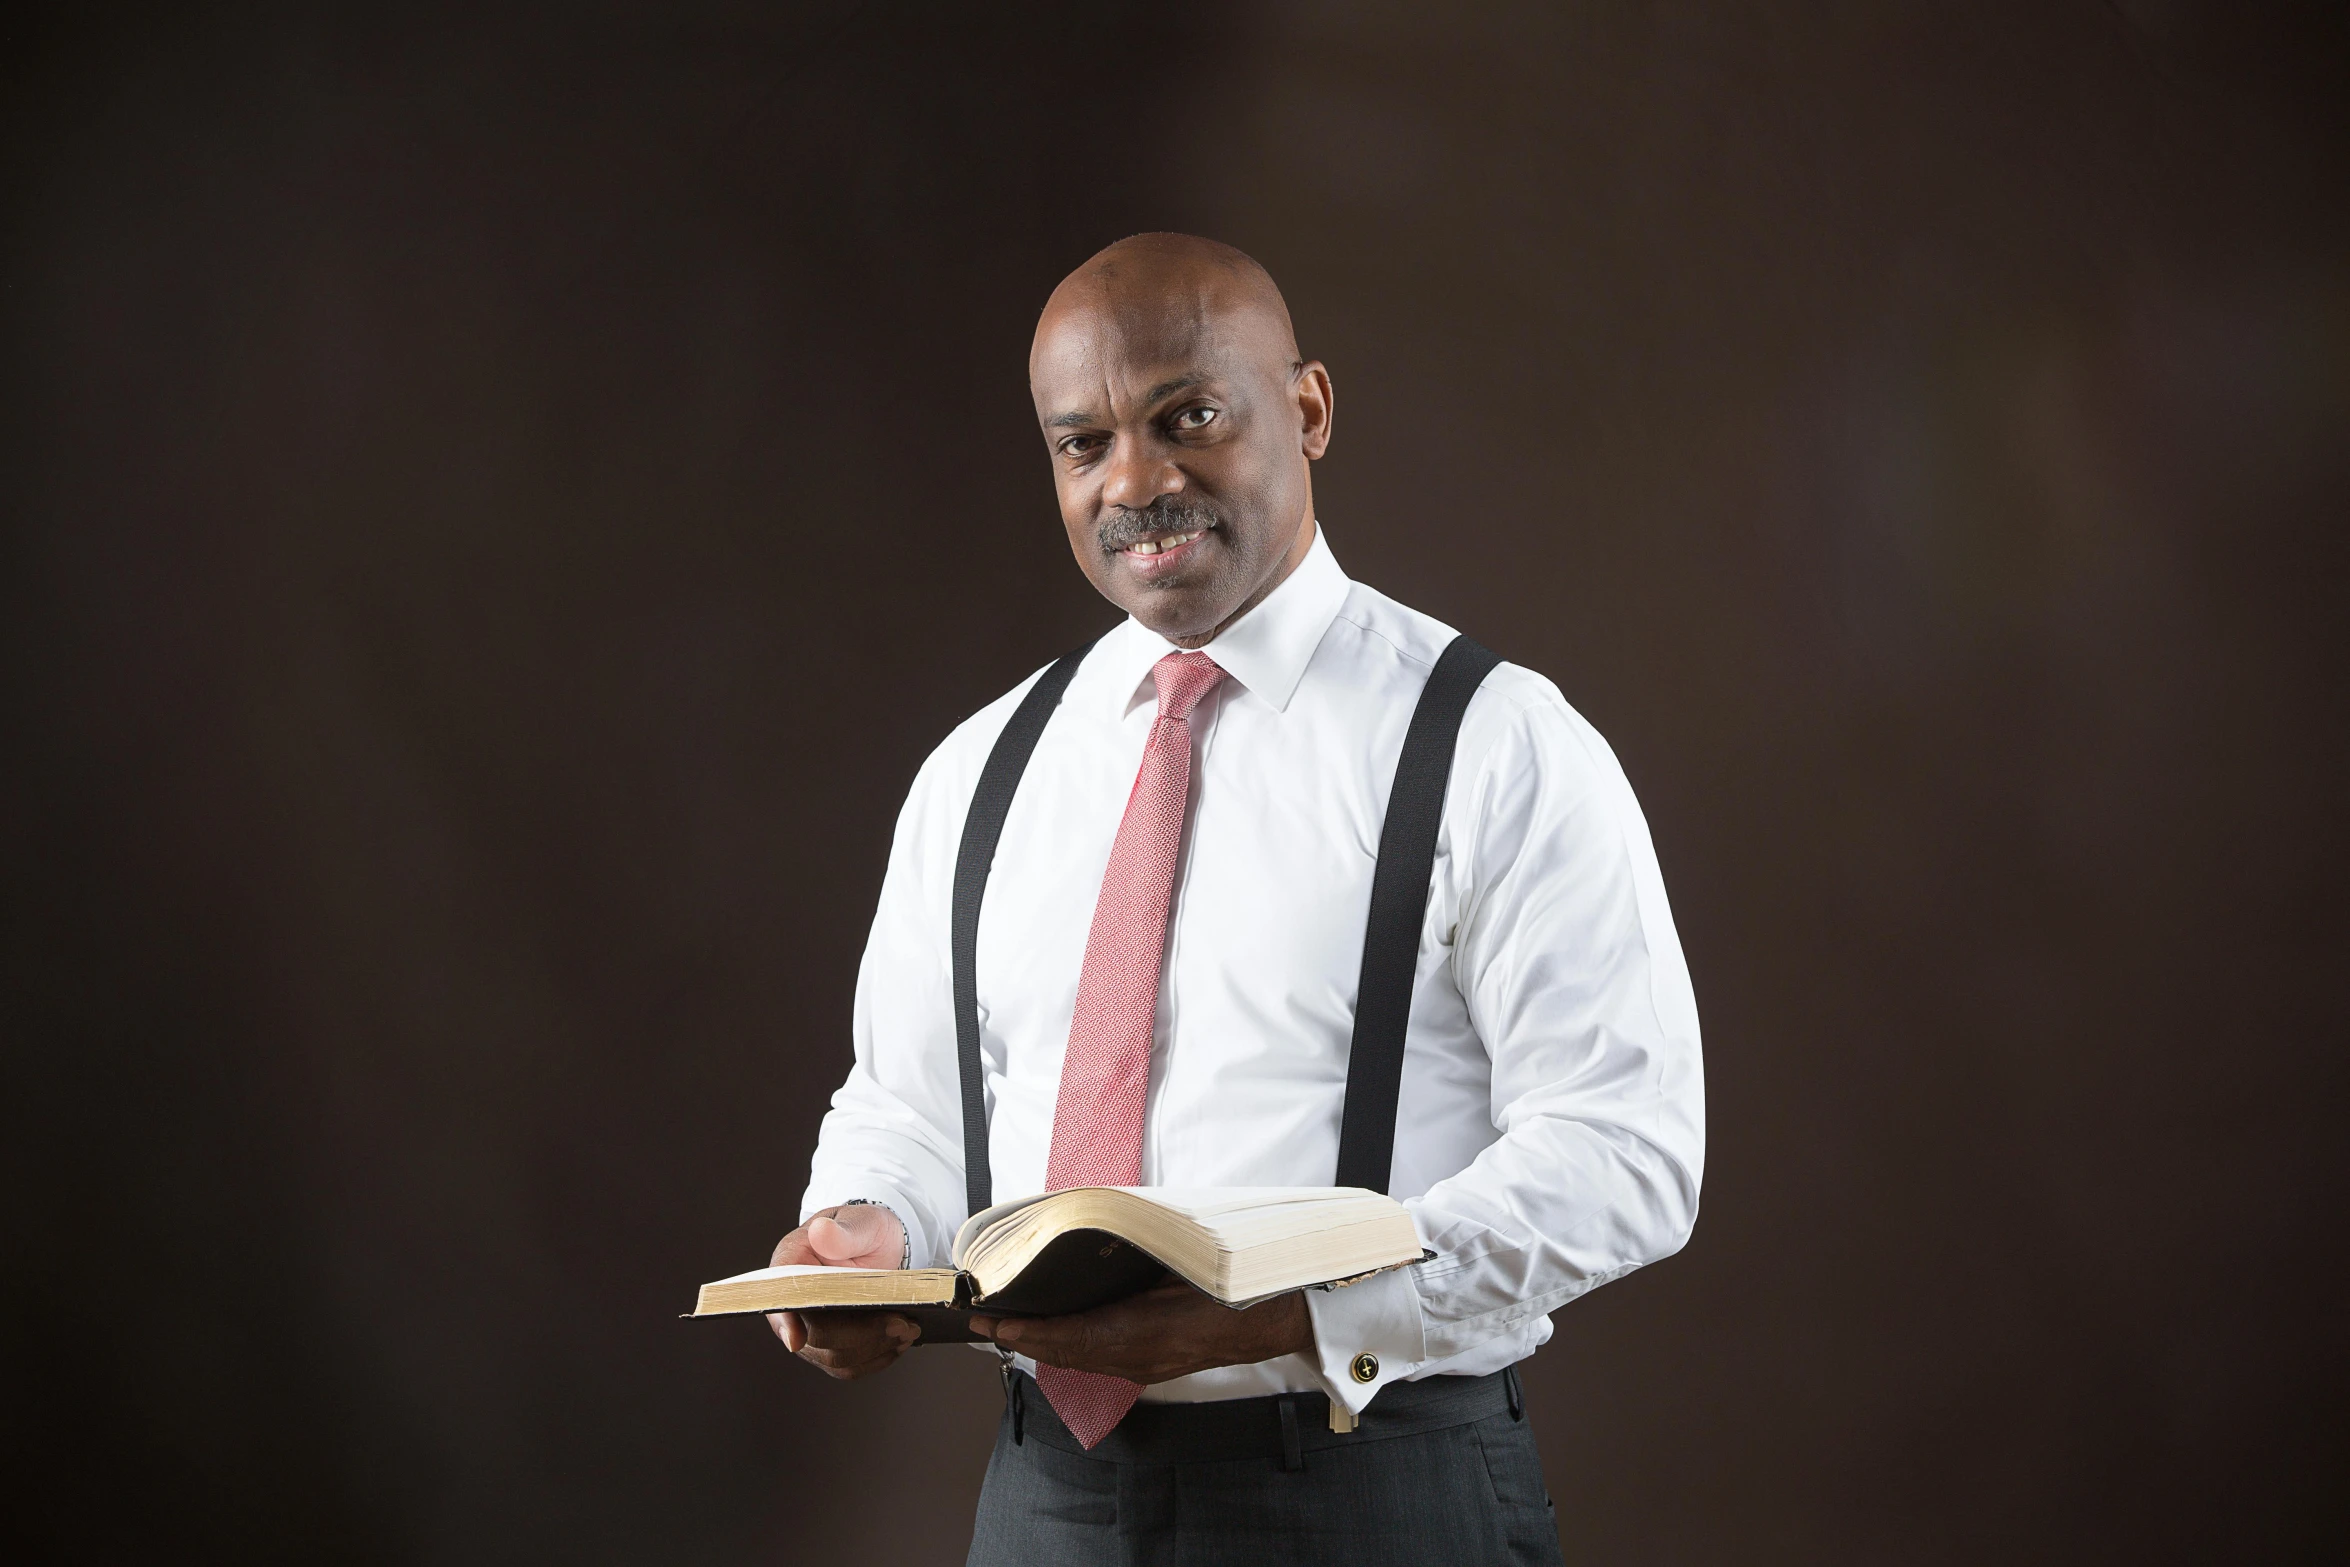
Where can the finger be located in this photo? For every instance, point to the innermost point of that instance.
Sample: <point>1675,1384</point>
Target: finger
<point>850,1370</point>
<point>839,1363</point>
<point>903,1332</point>
<point>863,1353</point>
<point>1132,1338</point>
<point>1002,1330</point>
<point>1056,1341</point>
<point>789,1328</point>
<point>859,1333</point>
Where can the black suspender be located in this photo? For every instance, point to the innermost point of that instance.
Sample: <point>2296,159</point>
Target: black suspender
<point>1399,901</point>
<point>999,780</point>
<point>1391,939</point>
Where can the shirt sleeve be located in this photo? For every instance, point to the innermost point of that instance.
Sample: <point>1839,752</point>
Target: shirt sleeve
<point>894,1134</point>
<point>1563,950</point>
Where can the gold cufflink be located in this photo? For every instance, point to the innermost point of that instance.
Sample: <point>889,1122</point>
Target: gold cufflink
<point>1366,1367</point>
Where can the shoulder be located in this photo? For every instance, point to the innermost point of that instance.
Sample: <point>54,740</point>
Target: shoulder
<point>1379,627</point>
<point>949,776</point>
<point>1523,738</point>
<point>1515,709</point>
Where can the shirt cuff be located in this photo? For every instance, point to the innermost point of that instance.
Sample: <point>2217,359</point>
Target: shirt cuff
<point>1367,1335</point>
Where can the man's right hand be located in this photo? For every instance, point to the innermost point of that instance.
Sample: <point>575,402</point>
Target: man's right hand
<point>845,1343</point>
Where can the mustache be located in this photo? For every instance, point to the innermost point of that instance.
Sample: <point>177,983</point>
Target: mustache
<point>1126,527</point>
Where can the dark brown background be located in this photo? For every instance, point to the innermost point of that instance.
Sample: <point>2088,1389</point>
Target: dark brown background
<point>496,511</point>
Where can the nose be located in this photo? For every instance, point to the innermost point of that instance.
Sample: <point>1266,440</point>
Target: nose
<point>1139,473</point>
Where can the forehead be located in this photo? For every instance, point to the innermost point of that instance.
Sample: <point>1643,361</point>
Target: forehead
<point>1122,345</point>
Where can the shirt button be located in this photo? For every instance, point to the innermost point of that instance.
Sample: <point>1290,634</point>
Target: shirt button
<point>1366,1367</point>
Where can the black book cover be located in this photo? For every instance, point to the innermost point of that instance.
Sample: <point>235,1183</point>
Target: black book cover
<point>1076,1271</point>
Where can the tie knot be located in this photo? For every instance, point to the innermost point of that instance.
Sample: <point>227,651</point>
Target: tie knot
<point>1182,679</point>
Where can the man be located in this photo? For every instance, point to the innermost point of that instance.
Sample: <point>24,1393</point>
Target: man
<point>1166,970</point>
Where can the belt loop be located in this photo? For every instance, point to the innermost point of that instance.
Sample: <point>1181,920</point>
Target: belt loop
<point>1293,1453</point>
<point>1515,1393</point>
<point>1019,1402</point>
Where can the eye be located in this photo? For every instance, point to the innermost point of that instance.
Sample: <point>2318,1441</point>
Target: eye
<point>1196,418</point>
<point>1078,445</point>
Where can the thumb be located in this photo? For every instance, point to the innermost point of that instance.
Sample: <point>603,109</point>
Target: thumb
<point>862,1235</point>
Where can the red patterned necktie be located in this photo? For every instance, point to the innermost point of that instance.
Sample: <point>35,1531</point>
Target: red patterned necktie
<point>1105,1074</point>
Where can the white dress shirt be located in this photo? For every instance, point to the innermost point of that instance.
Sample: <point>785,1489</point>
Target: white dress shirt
<point>1551,1131</point>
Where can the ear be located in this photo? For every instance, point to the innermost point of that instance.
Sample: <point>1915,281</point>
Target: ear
<point>1311,383</point>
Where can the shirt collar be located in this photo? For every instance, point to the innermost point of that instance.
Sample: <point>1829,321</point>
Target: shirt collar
<point>1266,650</point>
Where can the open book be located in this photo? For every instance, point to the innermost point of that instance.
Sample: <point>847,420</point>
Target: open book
<point>1073,1250</point>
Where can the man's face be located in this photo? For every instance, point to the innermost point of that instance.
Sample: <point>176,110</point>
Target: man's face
<point>1179,438</point>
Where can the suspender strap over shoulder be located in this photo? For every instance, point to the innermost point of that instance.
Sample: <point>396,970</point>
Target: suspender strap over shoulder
<point>991,802</point>
<point>1391,940</point>
<point>1399,903</point>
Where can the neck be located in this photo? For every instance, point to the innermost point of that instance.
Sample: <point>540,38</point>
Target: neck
<point>1290,558</point>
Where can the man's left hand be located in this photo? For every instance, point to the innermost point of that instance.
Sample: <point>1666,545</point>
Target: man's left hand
<point>1162,1333</point>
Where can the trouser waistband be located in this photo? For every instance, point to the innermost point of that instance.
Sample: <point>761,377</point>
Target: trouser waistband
<point>1284,1426</point>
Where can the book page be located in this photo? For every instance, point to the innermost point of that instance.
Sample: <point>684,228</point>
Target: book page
<point>1208,1202</point>
<point>987,1216</point>
<point>1201,1204</point>
<point>814,1287</point>
<point>795,1270</point>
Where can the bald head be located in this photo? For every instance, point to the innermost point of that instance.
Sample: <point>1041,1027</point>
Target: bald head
<point>1181,420</point>
<point>1165,280</point>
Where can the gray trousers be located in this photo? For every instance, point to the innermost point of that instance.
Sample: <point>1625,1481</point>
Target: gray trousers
<point>1440,1471</point>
